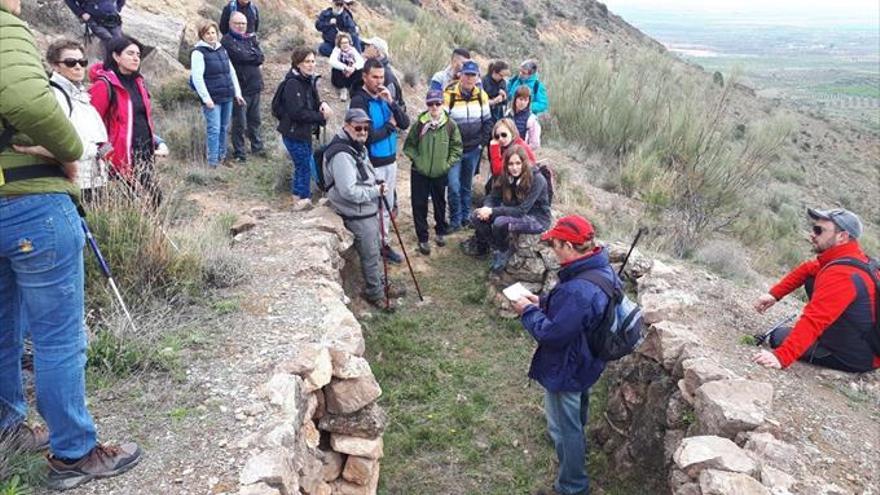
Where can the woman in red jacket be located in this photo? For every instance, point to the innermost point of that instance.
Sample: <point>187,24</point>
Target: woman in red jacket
<point>504,134</point>
<point>120,95</point>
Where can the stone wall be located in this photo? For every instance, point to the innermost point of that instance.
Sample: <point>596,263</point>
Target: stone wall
<point>325,435</point>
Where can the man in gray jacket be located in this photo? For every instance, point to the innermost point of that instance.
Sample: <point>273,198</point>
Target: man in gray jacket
<point>354,195</point>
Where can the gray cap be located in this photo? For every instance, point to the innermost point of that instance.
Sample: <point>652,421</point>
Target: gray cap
<point>844,219</point>
<point>356,115</point>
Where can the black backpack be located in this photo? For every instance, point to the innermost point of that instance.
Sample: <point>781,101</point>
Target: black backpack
<point>622,328</point>
<point>323,154</point>
<point>549,177</point>
<point>278,100</point>
<point>872,268</point>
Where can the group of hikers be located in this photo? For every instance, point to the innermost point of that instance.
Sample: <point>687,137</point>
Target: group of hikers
<point>62,141</point>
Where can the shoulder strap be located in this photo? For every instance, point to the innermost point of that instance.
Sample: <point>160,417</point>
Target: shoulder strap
<point>596,278</point>
<point>6,136</point>
<point>66,96</point>
<point>110,91</point>
<point>535,88</point>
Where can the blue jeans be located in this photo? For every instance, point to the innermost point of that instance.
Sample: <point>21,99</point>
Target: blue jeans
<point>461,179</point>
<point>41,289</point>
<point>217,119</point>
<point>566,417</point>
<point>303,166</point>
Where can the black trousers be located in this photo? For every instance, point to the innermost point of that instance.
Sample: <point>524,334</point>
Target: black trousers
<point>340,81</point>
<point>246,121</point>
<point>815,354</point>
<point>421,188</point>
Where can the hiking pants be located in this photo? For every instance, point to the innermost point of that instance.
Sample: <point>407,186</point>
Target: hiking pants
<point>340,81</point>
<point>496,232</point>
<point>815,354</point>
<point>366,242</point>
<point>388,174</point>
<point>41,292</point>
<point>301,154</point>
<point>421,188</point>
<point>246,121</point>
<point>566,418</point>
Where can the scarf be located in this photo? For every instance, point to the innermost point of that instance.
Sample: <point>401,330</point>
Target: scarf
<point>347,57</point>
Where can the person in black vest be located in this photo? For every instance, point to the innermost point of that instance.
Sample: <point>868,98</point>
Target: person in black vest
<point>216,82</point>
<point>247,8</point>
<point>246,55</point>
<point>101,16</point>
<point>334,20</point>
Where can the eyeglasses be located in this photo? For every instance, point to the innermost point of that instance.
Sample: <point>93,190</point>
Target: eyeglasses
<point>360,128</point>
<point>501,135</point>
<point>817,230</point>
<point>435,104</point>
<point>72,62</point>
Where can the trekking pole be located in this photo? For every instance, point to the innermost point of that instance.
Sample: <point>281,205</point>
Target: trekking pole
<point>762,337</point>
<point>382,244</point>
<point>631,247</point>
<point>106,270</point>
<point>403,248</point>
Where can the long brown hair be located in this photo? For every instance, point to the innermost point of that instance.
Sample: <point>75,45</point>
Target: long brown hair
<point>504,183</point>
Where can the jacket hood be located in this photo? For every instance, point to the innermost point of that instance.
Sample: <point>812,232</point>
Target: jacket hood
<point>529,80</point>
<point>208,45</point>
<point>425,118</point>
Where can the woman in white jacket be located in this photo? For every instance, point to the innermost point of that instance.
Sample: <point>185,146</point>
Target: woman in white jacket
<point>346,65</point>
<point>68,72</point>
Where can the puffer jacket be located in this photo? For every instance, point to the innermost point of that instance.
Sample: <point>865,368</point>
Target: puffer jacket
<point>344,23</point>
<point>433,151</point>
<point>382,141</point>
<point>563,361</point>
<point>113,103</point>
<point>213,75</point>
<point>302,104</point>
<point>471,113</point>
<point>28,104</point>
<point>92,171</point>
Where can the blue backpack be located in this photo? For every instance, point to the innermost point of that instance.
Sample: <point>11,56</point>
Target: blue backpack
<point>622,328</point>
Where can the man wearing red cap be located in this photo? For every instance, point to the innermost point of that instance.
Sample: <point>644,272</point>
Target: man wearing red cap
<point>563,363</point>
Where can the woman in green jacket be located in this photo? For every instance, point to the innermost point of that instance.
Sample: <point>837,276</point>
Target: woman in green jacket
<point>433,145</point>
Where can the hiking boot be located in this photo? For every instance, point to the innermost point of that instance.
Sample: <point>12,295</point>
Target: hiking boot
<point>103,461</point>
<point>391,255</point>
<point>440,240</point>
<point>425,248</point>
<point>499,261</point>
<point>27,438</point>
<point>472,247</point>
<point>379,303</point>
<point>241,159</point>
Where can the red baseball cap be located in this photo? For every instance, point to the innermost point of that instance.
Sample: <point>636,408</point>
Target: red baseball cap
<point>573,228</point>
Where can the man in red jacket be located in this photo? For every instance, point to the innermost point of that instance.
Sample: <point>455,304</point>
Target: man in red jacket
<point>835,325</point>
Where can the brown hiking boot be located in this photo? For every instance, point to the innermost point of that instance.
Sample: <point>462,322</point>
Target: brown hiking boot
<point>26,438</point>
<point>103,461</point>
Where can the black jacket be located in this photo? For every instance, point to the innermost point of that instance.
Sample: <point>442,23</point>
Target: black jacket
<point>344,23</point>
<point>301,103</point>
<point>250,11</point>
<point>536,204</point>
<point>246,57</point>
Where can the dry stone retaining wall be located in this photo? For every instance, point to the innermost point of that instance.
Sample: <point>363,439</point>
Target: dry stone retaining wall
<point>325,432</point>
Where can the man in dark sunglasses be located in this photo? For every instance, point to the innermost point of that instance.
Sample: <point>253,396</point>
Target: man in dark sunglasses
<point>839,325</point>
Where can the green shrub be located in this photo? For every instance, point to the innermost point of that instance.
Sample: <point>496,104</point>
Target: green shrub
<point>176,92</point>
<point>423,46</point>
<point>530,20</point>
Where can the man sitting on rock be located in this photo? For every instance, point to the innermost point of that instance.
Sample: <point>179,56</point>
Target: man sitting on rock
<point>334,20</point>
<point>563,363</point>
<point>101,16</point>
<point>354,195</point>
<point>838,326</point>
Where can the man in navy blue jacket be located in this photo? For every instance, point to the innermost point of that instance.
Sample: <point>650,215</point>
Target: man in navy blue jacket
<point>563,363</point>
<point>102,16</point>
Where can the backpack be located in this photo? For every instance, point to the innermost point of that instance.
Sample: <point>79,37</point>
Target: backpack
<point>622,328</point>
<point>325,153</point>
<point>549,177</point>
<point>872,268</point>
<point>278,100</point>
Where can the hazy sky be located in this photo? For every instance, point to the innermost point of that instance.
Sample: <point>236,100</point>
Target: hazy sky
<point>860,9</point>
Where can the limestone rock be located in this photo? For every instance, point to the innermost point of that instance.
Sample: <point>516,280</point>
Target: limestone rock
<point>359,470</point>
<point>727,407</point>
<point>159,32</point>
<point>323,488</point>
<point>281,434</point>
<point>258,489</point>
<point>311,406</point>
<point>324,219</point>
<point>273,467</point>
<point>343,330</point>
<point>362,447</point>
<point>333,462</point>
<point>698,371</point>
<point>343,487</point>
<point>311,472</point>
<point>242,224</point>
<point>666,341</point>
<point>310,434</point>
<point>348,396</point>
<point>313,364</point>
<point>713,482</point>
<point>688,489</point>
<point>346,365</point>
<point>768,448</point>
<point>695,454</point>
<point>777,481</point>
<point>160,65</point>
<point>637,265</point>
<point>369,422</point>
<point>661,306</point>
<point>283,390</point>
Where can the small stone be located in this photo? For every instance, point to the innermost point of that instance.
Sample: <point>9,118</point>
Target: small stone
<point>283,390</point>
<point>333,462</point>
<point>348,396</point>
<point>369,422</point>
<point>357,446</point>
<point>727,407</point>
<point>310,433</point>
<point>255,409</point>
<point>695,454</point>
<point>714,482</point>
<point>359,470</point>
<point>273,467</point>
<point>242,224</point>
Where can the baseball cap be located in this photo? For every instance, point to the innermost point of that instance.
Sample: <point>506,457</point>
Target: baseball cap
<point>378,42</point>
<point>470,67</point>
<point>356,115</point>
<point>573,228</point>
<point>434,96</point>
<point>844,219</point>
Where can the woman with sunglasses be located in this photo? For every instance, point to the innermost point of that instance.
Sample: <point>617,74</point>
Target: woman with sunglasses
<point>302,111</point>
<point>120,95</point>
<point>504,135</point>
<point>518,204</point>
<point>68,72</point>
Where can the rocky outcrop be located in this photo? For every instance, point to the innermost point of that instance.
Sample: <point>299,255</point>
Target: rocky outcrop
<point>325,435</point>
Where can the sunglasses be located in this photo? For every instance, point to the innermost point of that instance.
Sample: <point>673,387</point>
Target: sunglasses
<point>501,135</point>
<point>817,230</point>
<point>435,104</point>
<point>72,62</point>
<point>360,128</point>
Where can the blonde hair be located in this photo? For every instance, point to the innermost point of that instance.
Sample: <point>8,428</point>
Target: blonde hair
<point>508,124</point>
<point>205,27</point>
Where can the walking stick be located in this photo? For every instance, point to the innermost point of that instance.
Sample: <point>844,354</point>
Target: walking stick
<point>402,248</point>
<point>106,270</point>
<point>382,244</point>
<point>762,337</point>
<point>631,247</point>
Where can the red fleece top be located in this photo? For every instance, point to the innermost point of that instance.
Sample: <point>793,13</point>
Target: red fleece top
<point>833,292</point>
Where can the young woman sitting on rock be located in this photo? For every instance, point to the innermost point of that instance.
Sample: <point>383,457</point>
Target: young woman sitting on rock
<point>518,203</point>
